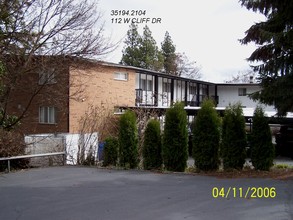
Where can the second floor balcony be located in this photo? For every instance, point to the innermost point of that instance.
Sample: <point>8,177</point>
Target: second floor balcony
<point>165,99</point>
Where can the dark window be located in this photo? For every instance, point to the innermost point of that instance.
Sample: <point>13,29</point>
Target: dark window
<point>47,76</point>
<point>242,92</point>
<point>166,87</point>
<point>146,85</point>
<point>47,115</point>
<point>192,89</point>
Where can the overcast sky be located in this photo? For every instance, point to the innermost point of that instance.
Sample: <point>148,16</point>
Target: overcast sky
<point>207,31</point>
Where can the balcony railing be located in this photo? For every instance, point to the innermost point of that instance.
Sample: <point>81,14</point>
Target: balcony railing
<point>150,98</point>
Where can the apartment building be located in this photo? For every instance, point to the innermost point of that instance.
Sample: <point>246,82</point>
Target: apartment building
<point>66,92</point>
<point>158,90</point>
<point>53,100</point>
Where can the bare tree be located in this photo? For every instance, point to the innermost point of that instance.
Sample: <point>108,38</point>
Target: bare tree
<point>187,68</point>
<point>143,116</point>
<point>54,27</point>
<point>247,76</point>
<point>40,35</point>
<point>96,119</point>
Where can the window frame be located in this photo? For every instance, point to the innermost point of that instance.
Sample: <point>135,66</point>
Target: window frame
<point>192,89</point>
<point>47,76</point>
<point>242,91</point>
<point>47,115</point>
<point>166,85</point>
<point>147,84</point>
<point>117,76</point>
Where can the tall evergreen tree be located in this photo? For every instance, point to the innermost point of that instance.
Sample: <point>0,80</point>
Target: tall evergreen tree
<point>233,137</point>
<point>151,55</point>
<point>132,55</point>
<point>168,50</point>
<point>206,137</point>
<point>262,149</point>
<point>141,50</point>
<point>175,139</point>
<point>274,54</point>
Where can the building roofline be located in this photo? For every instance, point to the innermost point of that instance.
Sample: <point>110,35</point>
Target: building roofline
<point>237,84</point>
<point>152,72</point>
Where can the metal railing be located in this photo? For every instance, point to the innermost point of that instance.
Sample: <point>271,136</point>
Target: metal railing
<point>151,98</point>
<point>32,156</point>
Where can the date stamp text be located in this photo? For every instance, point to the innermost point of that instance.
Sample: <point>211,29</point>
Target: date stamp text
<point>241,192</point>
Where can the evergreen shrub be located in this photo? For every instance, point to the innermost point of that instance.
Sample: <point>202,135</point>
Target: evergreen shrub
<point>206,137</point>
<point>233,137</point>
<point>262,148</point>
<point>110,151</point>
<point>175,139</point>
<point>128,140</point>
<point>152,147</point>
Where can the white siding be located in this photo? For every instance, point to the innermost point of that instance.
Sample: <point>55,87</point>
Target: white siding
<point>229,94</point>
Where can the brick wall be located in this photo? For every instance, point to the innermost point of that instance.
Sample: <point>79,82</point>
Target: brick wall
<point>97,86</point>
<point>76,89</point>
<point>27,96</point>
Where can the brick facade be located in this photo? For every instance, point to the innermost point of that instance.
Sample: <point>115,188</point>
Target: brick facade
<point>96,86</point>
<point>29,95</point>
<point>76,87</point>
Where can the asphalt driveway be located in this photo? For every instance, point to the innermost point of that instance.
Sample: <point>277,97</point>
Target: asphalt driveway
<point>89,193</point>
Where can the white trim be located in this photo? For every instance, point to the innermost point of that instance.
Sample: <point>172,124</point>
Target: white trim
<point>122,76</point>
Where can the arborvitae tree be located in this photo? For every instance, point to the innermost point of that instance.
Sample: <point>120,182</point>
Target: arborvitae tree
<point>274,55</point>
<point>206,137</point>
<point>233,137</point>
<point>131,53</point>
<point>175,139</point>
<point>110,151</point>
<point>262,149</point>
<point>128,152</point>
<point>168,50</point>
<point>152,147</point>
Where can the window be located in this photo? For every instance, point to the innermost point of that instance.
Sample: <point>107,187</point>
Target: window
<point>192,89</point>
<point>121,76</point>
<point>47,115</point>
<point>47,76</point>
<point>166,87</point>
<point>205,89</point>
<point>242,92</point>
<point>146,85</point>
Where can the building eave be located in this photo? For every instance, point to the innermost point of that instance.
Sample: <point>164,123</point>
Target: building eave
<point>237,84</point>
<point>152,72</point>
<point>165,75</point>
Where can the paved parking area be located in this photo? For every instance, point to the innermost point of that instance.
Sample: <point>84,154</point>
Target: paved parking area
<point>91,193</point>
<point>277,161</point>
